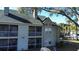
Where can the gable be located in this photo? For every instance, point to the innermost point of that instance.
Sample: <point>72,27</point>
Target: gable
<point>48,21</point>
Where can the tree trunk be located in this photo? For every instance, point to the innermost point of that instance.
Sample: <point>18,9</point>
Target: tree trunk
<point>69,31</point>
<point>76,33</point>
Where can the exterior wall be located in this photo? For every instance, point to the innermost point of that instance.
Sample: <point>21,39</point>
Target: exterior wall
<point>22,37</point>
<point>49,36</point>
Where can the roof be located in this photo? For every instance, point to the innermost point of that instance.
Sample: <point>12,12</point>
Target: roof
<point>6,19</point>
<point>44,19</point>
<point>16,17</point>
<point>49,20</point>
<point>27,17</point>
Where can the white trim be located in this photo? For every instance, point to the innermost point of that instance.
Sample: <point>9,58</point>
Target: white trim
<point>35,25</point>
<point>34,36</point>
<point>11,23</point>
<point>8,37</point>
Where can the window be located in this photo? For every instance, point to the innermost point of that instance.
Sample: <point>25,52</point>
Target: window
<point>38,29</point>
<point>13,33</point>
<point>38,41</point>
<point>4,27</point>
<point>3,48</point>
<point>48,29</point>
<point>4,34</point>
<point>12,42</point>
<point>8,30</point>
<point>8,44</point>
<point>31,41</point>
<point>13,28</point>
<point>3,42</point>
<point>35,31</point>
<point>31,31</point>
<point>34,42</point>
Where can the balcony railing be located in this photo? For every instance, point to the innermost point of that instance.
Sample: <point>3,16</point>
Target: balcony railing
<point>35,33</point>
<point>8,33</point>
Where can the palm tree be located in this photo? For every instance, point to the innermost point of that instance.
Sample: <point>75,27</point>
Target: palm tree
<point>72,27</point>
<point>76,27</point>
<point>69,23</point>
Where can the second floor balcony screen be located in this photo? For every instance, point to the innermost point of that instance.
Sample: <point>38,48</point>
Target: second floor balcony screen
<point>8,33</point>
<point>8,30</point>
<point>35,34</point>
<point>35,31</point>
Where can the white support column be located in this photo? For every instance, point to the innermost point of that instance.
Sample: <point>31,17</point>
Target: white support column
<point>22,37</point>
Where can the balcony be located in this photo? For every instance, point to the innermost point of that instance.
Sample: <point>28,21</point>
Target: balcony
<point>8,33</point>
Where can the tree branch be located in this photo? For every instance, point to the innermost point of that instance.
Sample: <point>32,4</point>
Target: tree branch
<point>71,20</point>
<point>53,11</point>
<point>62,13</point>
<point>75,11</point>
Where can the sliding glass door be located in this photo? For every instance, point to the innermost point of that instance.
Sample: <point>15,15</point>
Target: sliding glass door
<point>8,44</point>
<point>34,43</point>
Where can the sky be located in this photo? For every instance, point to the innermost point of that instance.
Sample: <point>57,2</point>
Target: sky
<point>14,8</point>
<point>54,18</point>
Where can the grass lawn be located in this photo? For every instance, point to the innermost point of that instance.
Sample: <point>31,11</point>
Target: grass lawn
<point>75,41</point>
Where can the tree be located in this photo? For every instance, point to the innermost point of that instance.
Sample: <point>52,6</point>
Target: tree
<point>69,23</point>
<point>68,12</point>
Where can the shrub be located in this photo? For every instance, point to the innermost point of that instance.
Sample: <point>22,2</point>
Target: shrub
<point>60,44</point>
